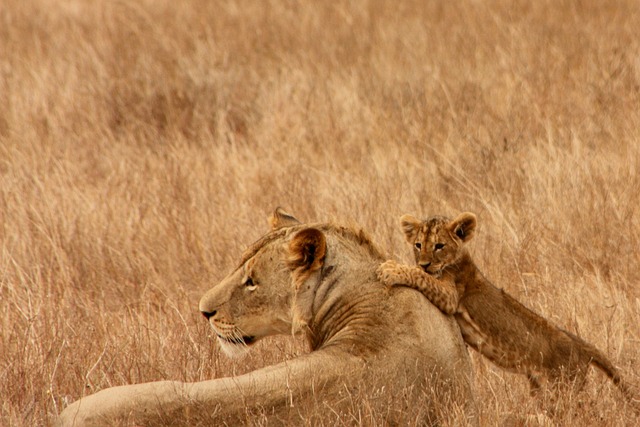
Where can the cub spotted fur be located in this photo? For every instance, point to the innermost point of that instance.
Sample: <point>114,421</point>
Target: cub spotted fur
<point>491,321</point>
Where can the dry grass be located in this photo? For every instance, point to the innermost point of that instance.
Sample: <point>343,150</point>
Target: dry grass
<point>142,145</point>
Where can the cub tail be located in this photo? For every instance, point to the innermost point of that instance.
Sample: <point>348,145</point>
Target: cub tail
<point>602,362</point>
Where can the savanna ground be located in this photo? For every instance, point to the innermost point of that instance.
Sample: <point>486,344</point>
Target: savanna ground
<point>143,144</point>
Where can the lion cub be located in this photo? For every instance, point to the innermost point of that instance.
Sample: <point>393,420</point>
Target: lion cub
<point>491,321</point>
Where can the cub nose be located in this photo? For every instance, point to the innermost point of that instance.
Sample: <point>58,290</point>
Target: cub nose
<point>209,314</point>
<point>425,265</point>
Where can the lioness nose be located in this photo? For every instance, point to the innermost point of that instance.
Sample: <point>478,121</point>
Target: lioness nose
<point>209,314</point>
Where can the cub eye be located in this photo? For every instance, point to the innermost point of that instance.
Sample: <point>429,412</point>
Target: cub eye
<point>418,246</point>
<point>439,246</point>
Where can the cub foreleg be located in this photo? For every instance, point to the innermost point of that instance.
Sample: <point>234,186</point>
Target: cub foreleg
<point>441,293</point>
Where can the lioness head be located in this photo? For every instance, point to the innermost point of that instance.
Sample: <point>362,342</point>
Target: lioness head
<point>437,241</point>
<point>260,296</point>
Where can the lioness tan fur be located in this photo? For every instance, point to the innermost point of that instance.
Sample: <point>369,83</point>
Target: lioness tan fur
<point>492,322</point>
<point>320,280</point>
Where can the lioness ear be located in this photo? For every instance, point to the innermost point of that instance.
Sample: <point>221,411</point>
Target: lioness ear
<point>410,225</point>
<point>307,250</point>
<point>464,226</point>
<point>306,256</point>
<point>279,218</point>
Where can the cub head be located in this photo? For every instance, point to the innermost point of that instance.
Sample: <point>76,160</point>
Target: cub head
<point>261,296</point>
<point>437,242</point>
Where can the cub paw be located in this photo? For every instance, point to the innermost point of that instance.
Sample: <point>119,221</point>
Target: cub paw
<point>387,272</point>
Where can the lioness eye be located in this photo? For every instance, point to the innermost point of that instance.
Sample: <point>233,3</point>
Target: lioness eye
<point>418,245</point>
<point>439,246</point>
<point>249,283</point>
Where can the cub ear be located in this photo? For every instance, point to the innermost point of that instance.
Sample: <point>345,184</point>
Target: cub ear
<point>464,226</point>
<point>307,250</point>
<point>410,225</point>
<point>279,218</point>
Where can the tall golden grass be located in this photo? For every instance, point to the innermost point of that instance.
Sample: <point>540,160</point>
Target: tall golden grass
<point>143,143</point>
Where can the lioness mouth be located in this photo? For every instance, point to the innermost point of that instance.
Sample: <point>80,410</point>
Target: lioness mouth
<point>237,340</point>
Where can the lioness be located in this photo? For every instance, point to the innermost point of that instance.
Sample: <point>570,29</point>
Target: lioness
<point>321,280</point>
<point>492,322</point>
